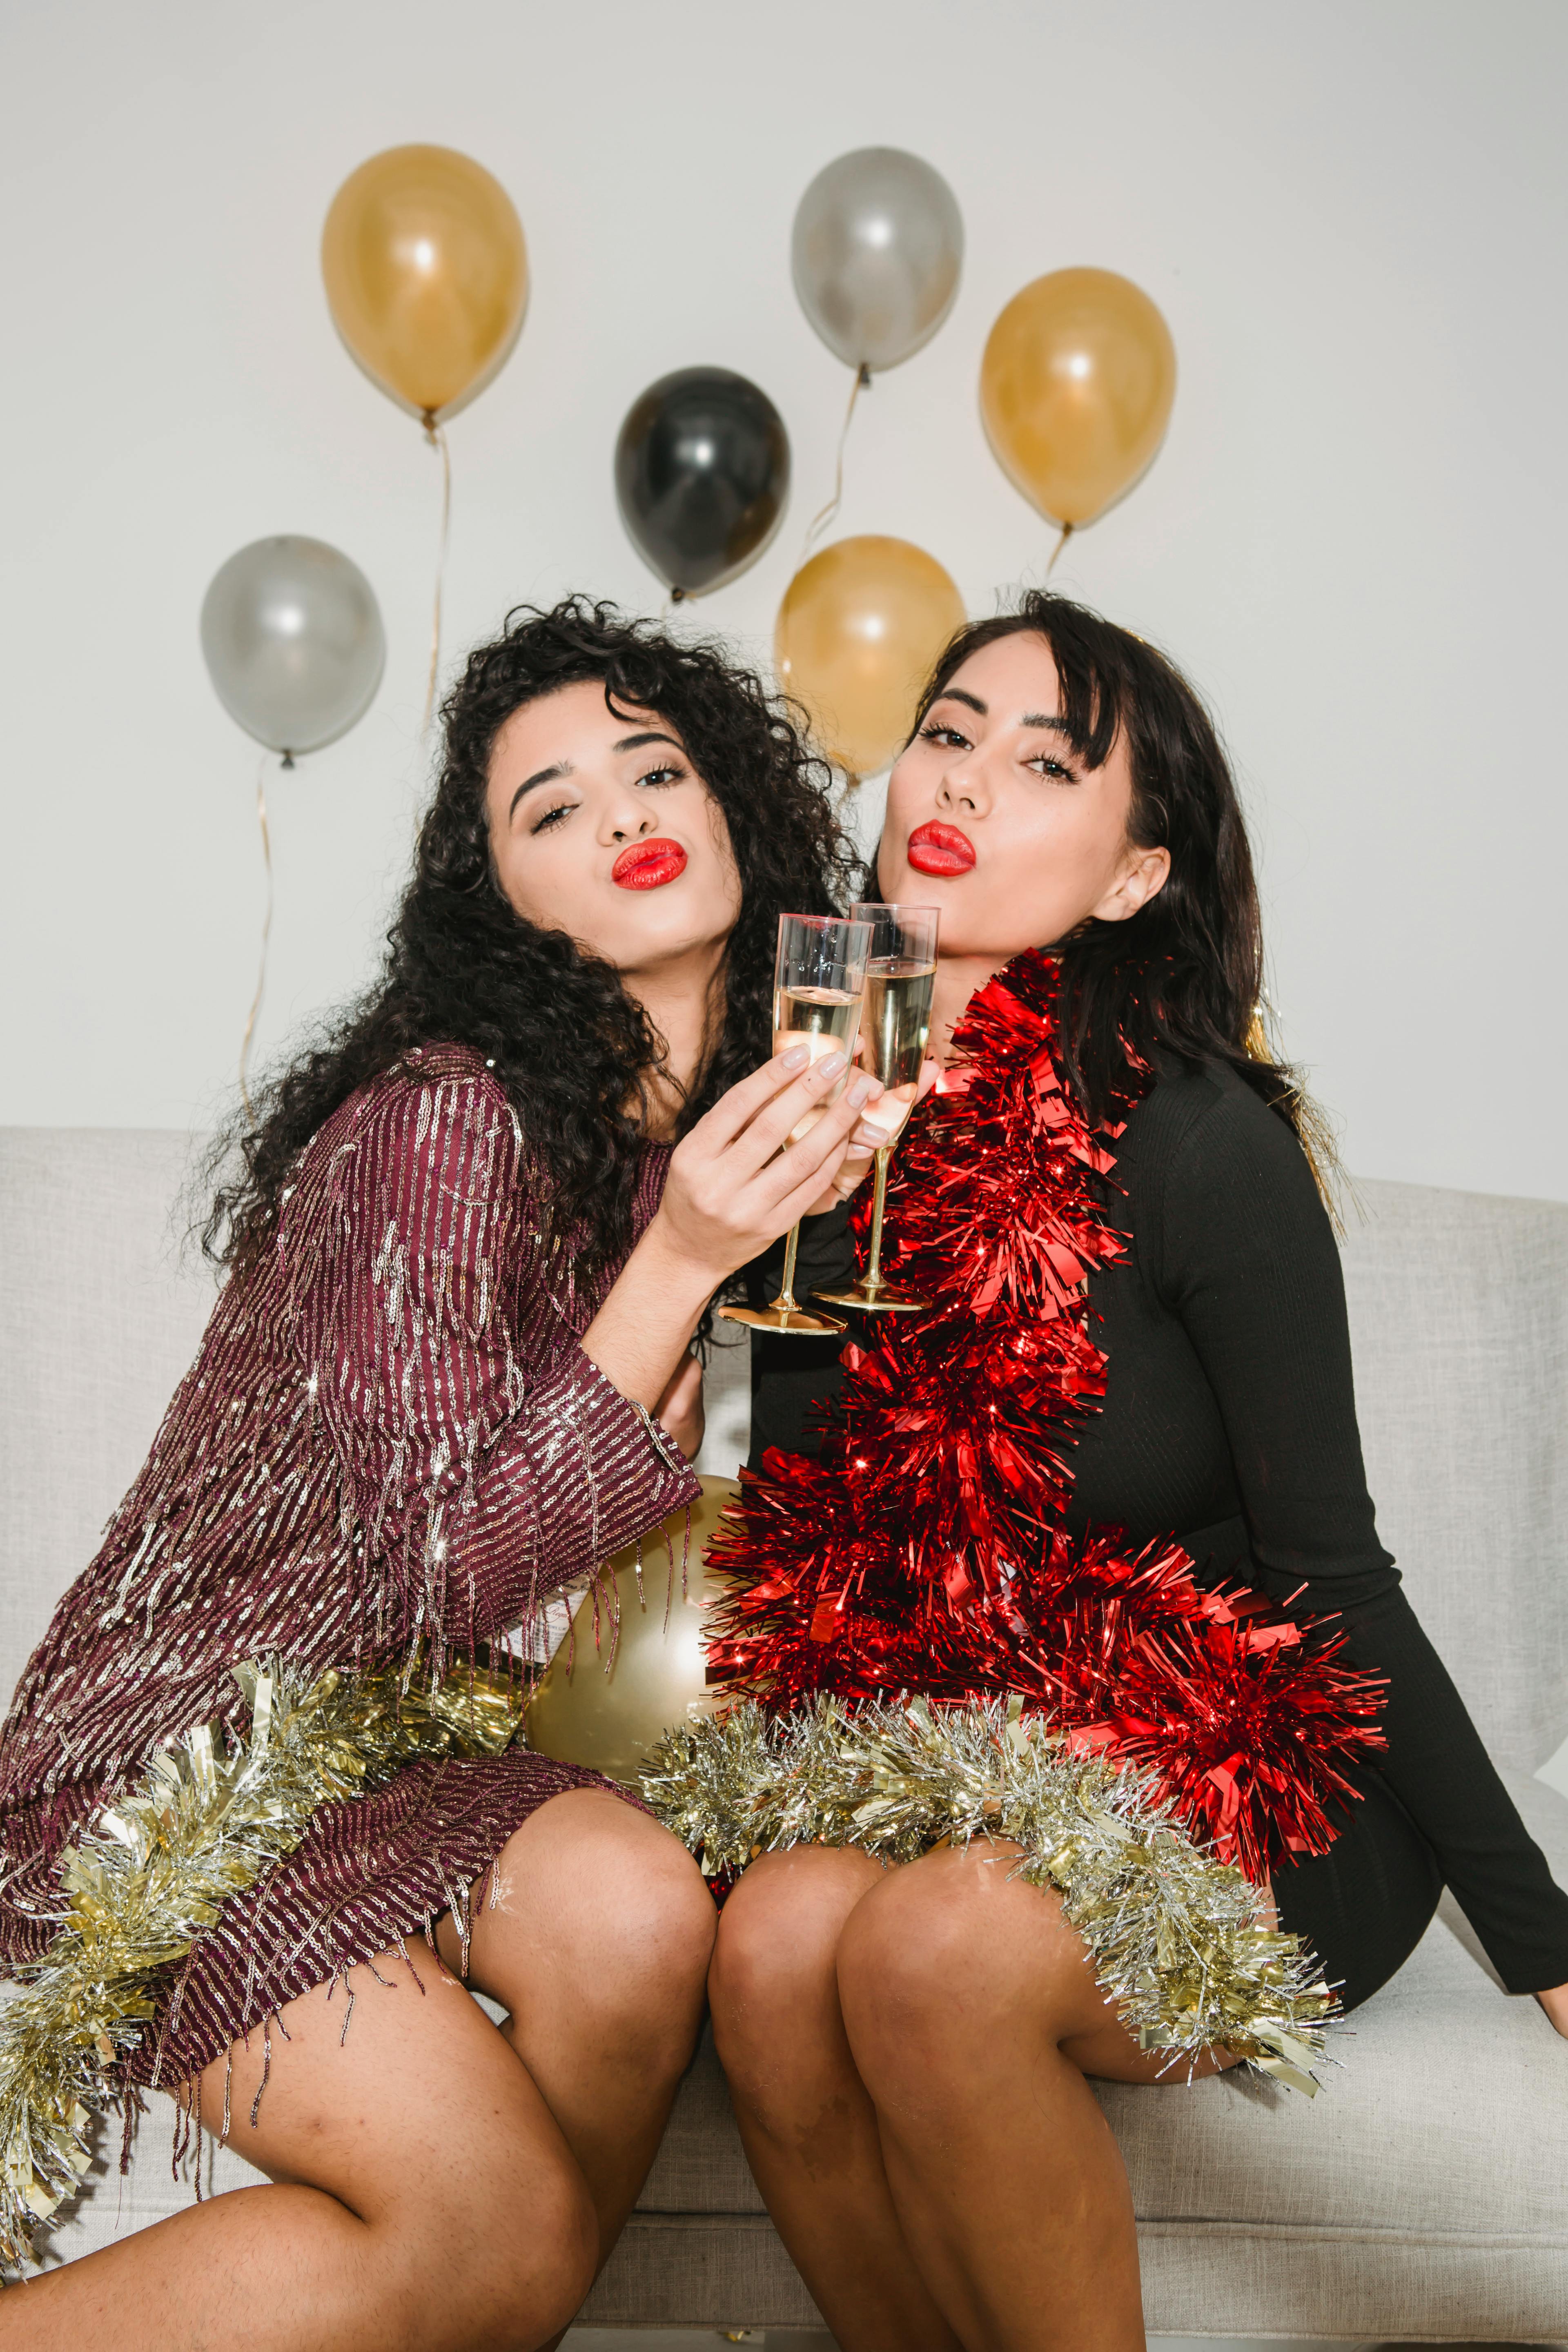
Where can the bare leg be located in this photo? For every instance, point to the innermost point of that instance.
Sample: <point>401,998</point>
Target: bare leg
<point>807,2121</point>
<point>594,1934</point>
<point>427,2196</point>
<point>974,2016</point>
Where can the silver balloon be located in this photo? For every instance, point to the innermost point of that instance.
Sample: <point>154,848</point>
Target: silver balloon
<point>877,245</point>
<point>291,635</point>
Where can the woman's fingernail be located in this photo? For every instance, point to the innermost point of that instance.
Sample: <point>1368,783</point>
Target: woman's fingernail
<point>830,1065</point>
<point>796,1058</point>
<point>859,1092</point>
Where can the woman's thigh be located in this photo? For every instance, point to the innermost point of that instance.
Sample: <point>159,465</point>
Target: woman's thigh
<point>1365,1905</point>
<point>461,2214</point>
<point>391,2075</point>
<point>953,1958</point>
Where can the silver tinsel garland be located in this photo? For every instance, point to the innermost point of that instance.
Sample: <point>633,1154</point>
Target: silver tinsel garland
<point>151,1871</point>
<point>1175,1938</point>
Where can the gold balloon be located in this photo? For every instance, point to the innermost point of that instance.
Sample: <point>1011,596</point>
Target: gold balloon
<point>859,630</point>
<point>1075,389</point>
<point>603,1702</point>
<point>427,275</point>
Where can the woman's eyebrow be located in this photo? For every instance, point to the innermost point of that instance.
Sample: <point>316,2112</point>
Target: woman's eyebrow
<point>544,776</point>
<point>1046,719</point>
<point>635,743</point>
<point>957,694</point>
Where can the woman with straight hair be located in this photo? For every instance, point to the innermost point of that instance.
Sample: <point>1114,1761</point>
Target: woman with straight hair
<point>467,1245</point>
<point>1115,1470</point>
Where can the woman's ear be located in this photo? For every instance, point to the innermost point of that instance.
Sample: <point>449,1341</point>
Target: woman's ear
<point>1141,877</point>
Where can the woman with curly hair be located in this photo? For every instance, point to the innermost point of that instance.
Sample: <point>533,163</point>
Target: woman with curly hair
<point>469,1243</point>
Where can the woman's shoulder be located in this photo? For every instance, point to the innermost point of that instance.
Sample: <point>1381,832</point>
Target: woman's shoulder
<point>1204,1145</point>
<point>432,1088</point>
<point>435,1122</point>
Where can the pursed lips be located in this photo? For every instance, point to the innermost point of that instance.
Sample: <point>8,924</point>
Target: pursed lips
<point>648,864</point>
<point>939,849</point>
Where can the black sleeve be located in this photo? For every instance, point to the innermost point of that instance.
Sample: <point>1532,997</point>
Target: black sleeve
<point>1247,1260</point>
<point>792,1377</point>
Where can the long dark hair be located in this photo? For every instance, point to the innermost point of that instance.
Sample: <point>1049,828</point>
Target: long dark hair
<point>463,967</point>
<point>1184,974</point>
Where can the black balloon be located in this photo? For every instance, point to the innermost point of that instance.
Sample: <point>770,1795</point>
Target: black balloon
<point>701,473</point>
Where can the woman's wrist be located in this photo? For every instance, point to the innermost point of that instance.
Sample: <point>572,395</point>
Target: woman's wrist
<point>672,1271</point>
<point>646,1324</point>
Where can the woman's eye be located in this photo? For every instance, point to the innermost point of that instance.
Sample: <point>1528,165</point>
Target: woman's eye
<point>661,776</point>
<point>945,735</point>
<point>551,818</point>
<point>1044,765</point>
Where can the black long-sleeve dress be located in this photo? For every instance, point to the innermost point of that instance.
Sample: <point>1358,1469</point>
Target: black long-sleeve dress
<point>1229,1417</point>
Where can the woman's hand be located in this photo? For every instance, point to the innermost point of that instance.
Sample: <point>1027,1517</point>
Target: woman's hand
<point>732,1189</point>
<point>680,1408</point>
<point>882,1125</point>
<point>1556,2004</point>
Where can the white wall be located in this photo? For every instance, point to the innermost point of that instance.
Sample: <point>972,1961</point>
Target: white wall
<point>1351,215</point>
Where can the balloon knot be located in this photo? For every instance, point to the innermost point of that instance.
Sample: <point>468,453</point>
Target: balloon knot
<point>288,759</point>
<point>863,377</point>
<point>427,418</point>
<point>678,595</point>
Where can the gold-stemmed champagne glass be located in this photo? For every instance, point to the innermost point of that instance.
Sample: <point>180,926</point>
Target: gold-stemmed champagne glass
<point>818,982</point>
<point>895,1026</point>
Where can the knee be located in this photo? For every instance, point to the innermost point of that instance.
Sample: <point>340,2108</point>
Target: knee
<point>540,2273</point>
<point>493,2277</point>
<point>652,1950</point>
<point>772,1979</point>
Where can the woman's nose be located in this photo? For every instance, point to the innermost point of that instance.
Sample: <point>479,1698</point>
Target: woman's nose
<point>960,790</point>
<point>631,823</point>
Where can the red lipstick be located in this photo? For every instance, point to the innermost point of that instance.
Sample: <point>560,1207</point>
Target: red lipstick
<point>648,864</point>
<point>940,849</point>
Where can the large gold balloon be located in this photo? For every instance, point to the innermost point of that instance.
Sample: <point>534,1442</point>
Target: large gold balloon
<point>427,275</point>
<point>1075,389</point>
<point>858,630</point>
<point>604,1700</point>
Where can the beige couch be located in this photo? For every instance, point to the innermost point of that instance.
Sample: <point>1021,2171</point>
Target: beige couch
<point>1424,2195</point>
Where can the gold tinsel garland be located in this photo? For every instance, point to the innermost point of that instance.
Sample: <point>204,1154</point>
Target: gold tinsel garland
<point>150,1875</point>
<point>1175,1938</point>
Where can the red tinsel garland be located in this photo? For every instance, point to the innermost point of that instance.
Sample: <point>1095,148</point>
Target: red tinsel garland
<point>925,1549</point>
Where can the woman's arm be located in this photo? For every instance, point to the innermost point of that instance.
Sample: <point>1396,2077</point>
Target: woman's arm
<point>479,1479</point>
<point>1244,1255</point>
<point>480,1472</point>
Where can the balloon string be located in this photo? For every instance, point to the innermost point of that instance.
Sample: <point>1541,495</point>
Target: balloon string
<point>436,437</point>
<point>1066,534</point>
<point>820,521</point>
<point>266,929</point>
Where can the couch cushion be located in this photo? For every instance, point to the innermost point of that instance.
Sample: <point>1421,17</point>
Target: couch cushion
<point>1459,1305</point>
<point>100,1311</point>
<point>1422,2193</point>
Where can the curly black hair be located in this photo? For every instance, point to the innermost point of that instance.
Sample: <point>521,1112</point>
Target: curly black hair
<point>463,967</point>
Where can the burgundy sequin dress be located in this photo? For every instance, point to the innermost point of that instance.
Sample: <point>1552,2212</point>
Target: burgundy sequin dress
<point>389,1436</point>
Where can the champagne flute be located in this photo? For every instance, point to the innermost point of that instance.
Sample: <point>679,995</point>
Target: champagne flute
<point>818,982</point>
<point>895,1026</point>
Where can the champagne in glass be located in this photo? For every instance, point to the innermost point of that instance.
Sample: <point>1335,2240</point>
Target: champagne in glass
<point>822,1020</point>
<point>895,1026</point>
<point>818,983</point>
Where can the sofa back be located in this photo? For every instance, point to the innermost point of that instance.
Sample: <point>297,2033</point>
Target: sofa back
<point>1459,1311</point>
<point>1459,1305</point>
